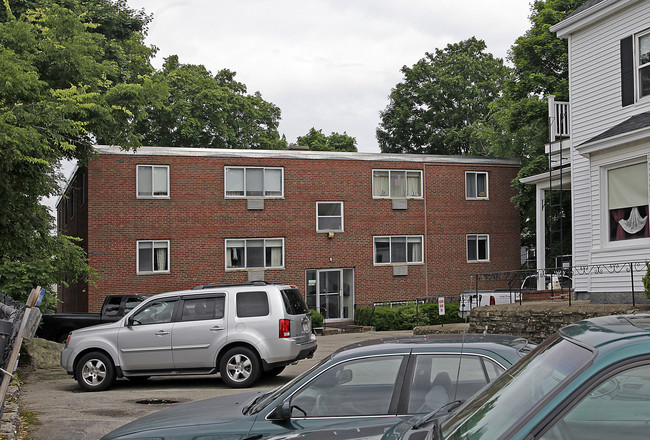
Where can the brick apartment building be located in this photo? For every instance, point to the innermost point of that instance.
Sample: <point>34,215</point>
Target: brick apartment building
<point>347,228</point>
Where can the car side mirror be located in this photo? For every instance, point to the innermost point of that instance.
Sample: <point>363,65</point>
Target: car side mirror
<point>129,321</point>
<point>282,412</point>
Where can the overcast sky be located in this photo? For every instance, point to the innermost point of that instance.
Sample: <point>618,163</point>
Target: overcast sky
<point>328,64</point>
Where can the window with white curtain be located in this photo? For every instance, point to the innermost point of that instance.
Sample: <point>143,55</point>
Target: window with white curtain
<point>253,253</point>
<point>254,182</point>
<point>153,180</point>
<point>396,184</point>
<point>478,247</point>
<point>153,256</point>
<point>398,249</point>
<point>329,216</point>
<point>476,185</point>
<point>627,201</point>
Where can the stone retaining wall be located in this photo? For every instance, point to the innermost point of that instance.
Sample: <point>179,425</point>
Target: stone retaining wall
<point>537,321</point>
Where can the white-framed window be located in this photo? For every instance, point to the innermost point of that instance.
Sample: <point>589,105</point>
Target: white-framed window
<point>478,248</point>
<point>476,185</point>
<point>152,181</point>
<point>329,216</point>
<point>254,181</point>
<point>254,253</point>
<point>627,201</point>
<point>153,256</point>
<point>642,59</point>
<point>398,249</point>
<point>396,184</point>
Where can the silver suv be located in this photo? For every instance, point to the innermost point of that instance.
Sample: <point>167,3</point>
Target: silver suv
<point>242,331</point>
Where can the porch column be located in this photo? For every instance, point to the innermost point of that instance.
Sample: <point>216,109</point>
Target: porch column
<point>540,231</point>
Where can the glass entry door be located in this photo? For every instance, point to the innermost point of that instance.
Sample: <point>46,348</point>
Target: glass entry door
<point>330,291</point>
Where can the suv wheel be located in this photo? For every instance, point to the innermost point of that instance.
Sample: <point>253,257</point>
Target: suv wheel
<point>95,372</point>
<point>240,367</point>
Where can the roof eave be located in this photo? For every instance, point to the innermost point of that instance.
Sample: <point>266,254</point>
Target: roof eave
<point>635,136</point>
<point>585,18</point>
<point>544,179</point>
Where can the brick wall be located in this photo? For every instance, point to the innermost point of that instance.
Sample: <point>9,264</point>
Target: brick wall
<point>72,217</point>
<point>197,219</point>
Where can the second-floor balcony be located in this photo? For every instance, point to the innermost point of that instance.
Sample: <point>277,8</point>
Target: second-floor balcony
<point>559,119</point>
<point>559,123</point>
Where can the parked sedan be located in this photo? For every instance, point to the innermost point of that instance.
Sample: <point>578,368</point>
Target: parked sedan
<point>384,380</point>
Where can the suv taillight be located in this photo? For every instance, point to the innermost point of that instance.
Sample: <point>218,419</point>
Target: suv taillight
<point>285,328</point>
<point>492,300</point>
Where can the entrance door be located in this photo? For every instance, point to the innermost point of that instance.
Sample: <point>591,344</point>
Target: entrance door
<point>330,291</point>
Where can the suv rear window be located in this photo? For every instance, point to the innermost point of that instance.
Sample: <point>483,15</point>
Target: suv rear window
<point>294,302</point>
<point>251,304</point>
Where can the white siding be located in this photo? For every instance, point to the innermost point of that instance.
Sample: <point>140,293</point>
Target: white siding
<point>595,96</point>
<point>596,73</point>
<point>581,218</point>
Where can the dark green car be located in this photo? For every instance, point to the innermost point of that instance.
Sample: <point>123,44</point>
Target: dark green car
<point>590,381</point>
<point>384,381</point>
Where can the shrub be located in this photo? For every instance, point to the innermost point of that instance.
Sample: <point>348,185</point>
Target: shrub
<point>363,316</point>
<point>409,316</point>
<point>406,316</point>
<point>429,313</point>
<point>316,319</point>
<point>385,318</point>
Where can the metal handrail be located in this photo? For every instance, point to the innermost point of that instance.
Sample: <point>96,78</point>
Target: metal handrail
<point>559,118</point>
<point>587,269</point>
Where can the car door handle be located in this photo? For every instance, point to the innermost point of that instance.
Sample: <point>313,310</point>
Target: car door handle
<point>216,329</point>
<point>161,333</point>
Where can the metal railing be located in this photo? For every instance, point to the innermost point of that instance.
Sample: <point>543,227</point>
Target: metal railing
<point>515,278</point>
<point>559,118</point>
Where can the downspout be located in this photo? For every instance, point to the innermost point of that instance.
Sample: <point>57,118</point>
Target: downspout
<point>426,232</point>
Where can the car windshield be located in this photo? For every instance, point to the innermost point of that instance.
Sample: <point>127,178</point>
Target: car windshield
<point>270,397</point>
<point>503,404</point>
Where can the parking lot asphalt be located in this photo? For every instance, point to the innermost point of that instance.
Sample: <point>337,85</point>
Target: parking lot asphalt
<point>58,409</point>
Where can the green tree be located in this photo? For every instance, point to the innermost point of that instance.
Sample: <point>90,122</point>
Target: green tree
<point>317,141</point>
<point>540,62</point>
<point>443,102</point>
<point>201,110</point>
<point>73,73</point>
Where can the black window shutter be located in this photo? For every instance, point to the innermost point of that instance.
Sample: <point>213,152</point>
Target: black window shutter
<point>627,71</point>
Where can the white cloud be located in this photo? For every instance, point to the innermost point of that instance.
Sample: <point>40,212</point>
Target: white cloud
<point>328,64</point>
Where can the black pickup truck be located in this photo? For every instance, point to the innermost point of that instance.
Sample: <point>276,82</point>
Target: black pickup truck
<point>56,327</point>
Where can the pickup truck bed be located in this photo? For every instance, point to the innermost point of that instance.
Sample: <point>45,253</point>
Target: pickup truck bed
<point>55,327</point>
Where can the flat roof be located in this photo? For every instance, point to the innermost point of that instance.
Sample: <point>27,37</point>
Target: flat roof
<point>303,154</point>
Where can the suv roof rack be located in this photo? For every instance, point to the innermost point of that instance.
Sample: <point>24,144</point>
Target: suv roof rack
<point>248,283</point>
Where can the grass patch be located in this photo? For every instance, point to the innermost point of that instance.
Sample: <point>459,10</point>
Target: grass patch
<point>27,419</point>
